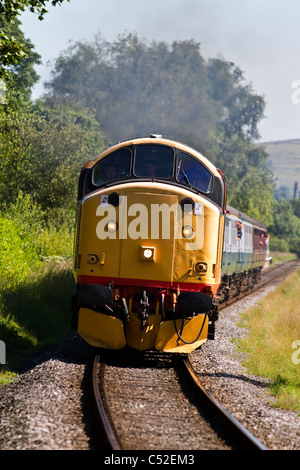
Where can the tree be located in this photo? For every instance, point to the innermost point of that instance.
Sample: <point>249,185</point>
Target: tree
<point>43,148</point>
<point>136,88</point>
<point>242,109</point>
<point>10,9</point>
<point>13,49</point>
<point>20,74</point>
<point>296,206</point>
<point>286,224</point>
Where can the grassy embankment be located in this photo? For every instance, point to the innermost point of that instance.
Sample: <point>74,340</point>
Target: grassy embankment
<point>273,342</point>
<point>278,256</point>
<point>36,285</point>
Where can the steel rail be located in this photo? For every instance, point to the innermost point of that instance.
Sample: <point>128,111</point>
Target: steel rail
<point>107,426</point>
<point>243,435</point>
<point>250,441</point>
<point>246,439</point>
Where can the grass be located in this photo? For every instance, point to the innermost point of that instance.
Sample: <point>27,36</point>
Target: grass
<point>36,282</point>
<point>278,256</point>
<point>273,342</point>
<point>35,314</point>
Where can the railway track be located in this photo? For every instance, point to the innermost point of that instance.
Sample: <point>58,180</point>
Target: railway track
<point>155,401</point>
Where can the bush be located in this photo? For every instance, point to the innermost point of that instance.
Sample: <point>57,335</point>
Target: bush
<point>36,313</point>
<point>15,259</point>
<point>278,244</point>
<point>295,246</point>
<point>36,281</point>
<point>54,243</point>
<point>27,239</point>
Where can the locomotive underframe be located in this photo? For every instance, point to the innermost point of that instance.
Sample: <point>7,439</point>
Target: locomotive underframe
<point>137,322</point>
<point>237,283</point>
<point>161,319</point>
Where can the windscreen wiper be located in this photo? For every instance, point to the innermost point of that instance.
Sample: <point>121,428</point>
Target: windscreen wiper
<point>186,178</point>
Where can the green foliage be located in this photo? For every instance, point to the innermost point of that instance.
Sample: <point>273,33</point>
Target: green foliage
<point>169,89</point>
<point>249,181</point>
<point>283,192</point>
<point>242,109</point>
<point>36,312</point>
<point>269,344</point>
<point>286,223</point>
<point>26,239</point>
<point>279,244</point>
<point>14,255</point>
<point>36,282</point>
<point>11,8</point>
<point>44,147</point>
<point>294,244</point>
<point>286,226</point>
<point>43,236</point>
<point>135,88</point>
<point>254,196</point>
<point>13,48</point>
<point>17,60</point>
<point>295,203</point>
<point>20,226</point>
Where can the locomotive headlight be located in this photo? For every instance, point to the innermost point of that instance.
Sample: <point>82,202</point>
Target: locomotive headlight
<point>147,253</point>
<point>112,226</point>
<point>187,231</point>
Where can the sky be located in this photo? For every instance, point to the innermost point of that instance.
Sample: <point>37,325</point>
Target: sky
<point>262,38</point>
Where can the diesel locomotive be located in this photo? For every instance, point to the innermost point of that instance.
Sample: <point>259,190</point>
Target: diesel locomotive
<point>156,247</point>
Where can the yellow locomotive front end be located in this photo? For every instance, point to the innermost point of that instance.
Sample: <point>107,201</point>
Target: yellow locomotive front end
<point>148,247</point>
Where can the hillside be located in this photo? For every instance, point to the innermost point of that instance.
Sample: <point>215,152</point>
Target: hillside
<point>285,163</point>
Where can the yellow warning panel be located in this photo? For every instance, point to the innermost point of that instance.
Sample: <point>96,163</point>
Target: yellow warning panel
<point>167,339</point>
<point>142,338</point>
<point>100,330</point>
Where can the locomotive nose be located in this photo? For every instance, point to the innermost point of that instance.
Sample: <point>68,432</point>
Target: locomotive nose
<point>147,249</point>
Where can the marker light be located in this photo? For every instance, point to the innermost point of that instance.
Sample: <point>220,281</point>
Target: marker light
<point>187,231</point>
<point>147,253</point>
